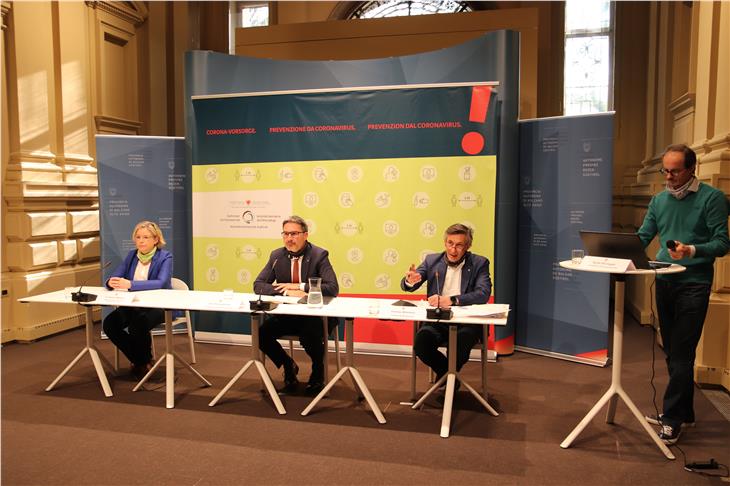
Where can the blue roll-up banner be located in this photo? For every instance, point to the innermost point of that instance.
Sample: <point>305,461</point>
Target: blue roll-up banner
<point>143,178</point>
<point>565,186</point>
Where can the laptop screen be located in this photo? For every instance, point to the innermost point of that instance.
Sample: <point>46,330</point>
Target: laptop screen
<point>615,245</point>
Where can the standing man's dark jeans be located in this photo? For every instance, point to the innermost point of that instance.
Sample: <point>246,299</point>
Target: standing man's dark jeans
<point>309,330</point>
<point>136,341</point>
<point>430,336</point>
<point>682,309</point>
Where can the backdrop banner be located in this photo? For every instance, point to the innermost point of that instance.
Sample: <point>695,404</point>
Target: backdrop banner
<point>565,186</point>
<point>378,173</point>
<point>493,56</point>
<point>142,178</point>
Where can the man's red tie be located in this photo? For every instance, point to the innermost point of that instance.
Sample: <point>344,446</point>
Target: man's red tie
<point>295,271</point>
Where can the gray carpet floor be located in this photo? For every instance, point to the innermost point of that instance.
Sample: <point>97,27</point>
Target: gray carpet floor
<point>75,435</point>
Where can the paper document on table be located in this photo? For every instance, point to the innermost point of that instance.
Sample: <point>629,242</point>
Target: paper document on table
<point>114,298</point>
<point>281,299</point>
<point>481,310</point>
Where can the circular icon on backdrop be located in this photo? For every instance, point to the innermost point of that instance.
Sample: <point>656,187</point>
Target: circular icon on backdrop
<point>390,256</point>
<point>421,200</point>
<point>112,191</point>
<point>428,173</point>
<point>467,200</point>
<point>425,253</point>
<point>212,275</point>
<point>286,174</point>
<point>391,228</point>
<point>348,227</point>
<point>428,229</point>
<point>391,173</point>
<point>311,226</point>
<point>211,175</point>
<point>347,280</point>
<point>355,255</point>
<point>347,200</point>
<point>243,276</point>
<point>467,173</point>
<point>355,173</point>
<point>319,174</point>
<point>247,175</point>
<point>171,164</point>
<point>212,251</point>
<point>311,199</point>
<point>382,200</point>
<point>382,281</point>
<point>248,252</point>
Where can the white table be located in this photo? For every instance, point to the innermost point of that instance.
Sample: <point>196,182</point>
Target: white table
<point>616,389</point>
<point>151,299</point>
<point>452,374</point>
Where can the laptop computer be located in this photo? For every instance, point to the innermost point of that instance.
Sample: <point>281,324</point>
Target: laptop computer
<point>618,245</point>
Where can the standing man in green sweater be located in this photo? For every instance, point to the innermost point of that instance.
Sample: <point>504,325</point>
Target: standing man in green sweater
<point>693,218</point>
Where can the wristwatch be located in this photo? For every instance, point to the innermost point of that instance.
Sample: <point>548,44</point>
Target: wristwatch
<point>454,300</point>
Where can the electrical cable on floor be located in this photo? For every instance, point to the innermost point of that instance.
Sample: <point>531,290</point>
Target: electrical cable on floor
<point>694,467</point>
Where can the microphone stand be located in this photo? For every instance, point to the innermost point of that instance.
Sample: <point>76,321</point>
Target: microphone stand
<point>260,305</point>
<point>439,313</point>
<point>83,297</point>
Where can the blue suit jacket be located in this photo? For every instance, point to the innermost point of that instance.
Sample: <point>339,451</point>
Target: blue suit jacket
<point>315,263</point>
<point>476,286</point>
<point>158,277</point>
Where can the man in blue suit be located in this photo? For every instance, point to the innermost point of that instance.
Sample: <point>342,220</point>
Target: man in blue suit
<point>454,277</point>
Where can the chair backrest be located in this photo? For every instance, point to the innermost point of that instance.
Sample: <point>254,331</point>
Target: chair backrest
<point>178,284</point>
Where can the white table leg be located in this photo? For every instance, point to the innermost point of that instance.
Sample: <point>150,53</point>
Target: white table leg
<point>354,373</point>
<point>96,358</point>
<point>616,389</point>
<point>259,366</point>
<point>169,359</point>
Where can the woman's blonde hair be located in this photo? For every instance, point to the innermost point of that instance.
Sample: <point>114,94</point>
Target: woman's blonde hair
<point>152,228</point>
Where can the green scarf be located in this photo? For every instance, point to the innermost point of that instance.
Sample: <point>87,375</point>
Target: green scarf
<point>145,258</point>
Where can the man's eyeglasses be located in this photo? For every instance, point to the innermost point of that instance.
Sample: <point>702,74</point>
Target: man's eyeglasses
<point>458,246</point>
<point>674,172</point>
<point>294,234</point>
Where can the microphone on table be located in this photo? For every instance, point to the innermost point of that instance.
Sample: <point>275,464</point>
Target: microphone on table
<point>439,313</point>
<point>82,297</point>
<point>260,305</point>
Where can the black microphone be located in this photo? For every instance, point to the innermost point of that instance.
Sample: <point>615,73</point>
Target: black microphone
<point>82,297</point>
<point>672,245</point>
<point>439,313</point>
<point>260,305</point>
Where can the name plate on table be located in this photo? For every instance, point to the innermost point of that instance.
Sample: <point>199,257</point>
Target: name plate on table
<point>225,301</point>
<point>117,297</point>
<point>605,264</point>
<point>400,313</point>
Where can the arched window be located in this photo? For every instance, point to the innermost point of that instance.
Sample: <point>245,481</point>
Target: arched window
<point>404,8</point>
<point>588,82</point>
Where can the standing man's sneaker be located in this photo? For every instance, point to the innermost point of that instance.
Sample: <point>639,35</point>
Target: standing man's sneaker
<point>652,419</point>
<point>670,435</point>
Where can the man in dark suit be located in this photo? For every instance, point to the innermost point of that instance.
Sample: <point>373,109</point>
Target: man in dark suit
<point>287,273</point>
<point>454,277</point>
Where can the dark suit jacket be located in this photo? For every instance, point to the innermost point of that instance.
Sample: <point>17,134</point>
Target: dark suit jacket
<point>476,286</point>
<point>315,263</point>
<point>158,277</point>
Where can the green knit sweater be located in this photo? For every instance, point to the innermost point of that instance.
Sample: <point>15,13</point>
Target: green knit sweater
<point>700,219</point>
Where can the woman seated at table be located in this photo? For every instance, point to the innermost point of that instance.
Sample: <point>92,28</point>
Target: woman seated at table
<point>147,267</point>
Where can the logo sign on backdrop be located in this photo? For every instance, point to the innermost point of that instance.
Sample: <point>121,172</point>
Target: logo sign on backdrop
<point>378,174</point>
<point>565,186</point>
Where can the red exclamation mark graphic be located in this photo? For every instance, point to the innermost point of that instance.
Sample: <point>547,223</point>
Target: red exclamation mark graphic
<point>473,142</point>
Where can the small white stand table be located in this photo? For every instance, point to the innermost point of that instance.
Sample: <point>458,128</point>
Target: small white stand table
<point>616,389</point>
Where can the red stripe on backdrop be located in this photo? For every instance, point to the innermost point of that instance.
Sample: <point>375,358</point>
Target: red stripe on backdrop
<point>377,331</point>
<point>599,354</point>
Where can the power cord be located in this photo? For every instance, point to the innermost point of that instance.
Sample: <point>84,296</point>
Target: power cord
<point>694,467</point>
